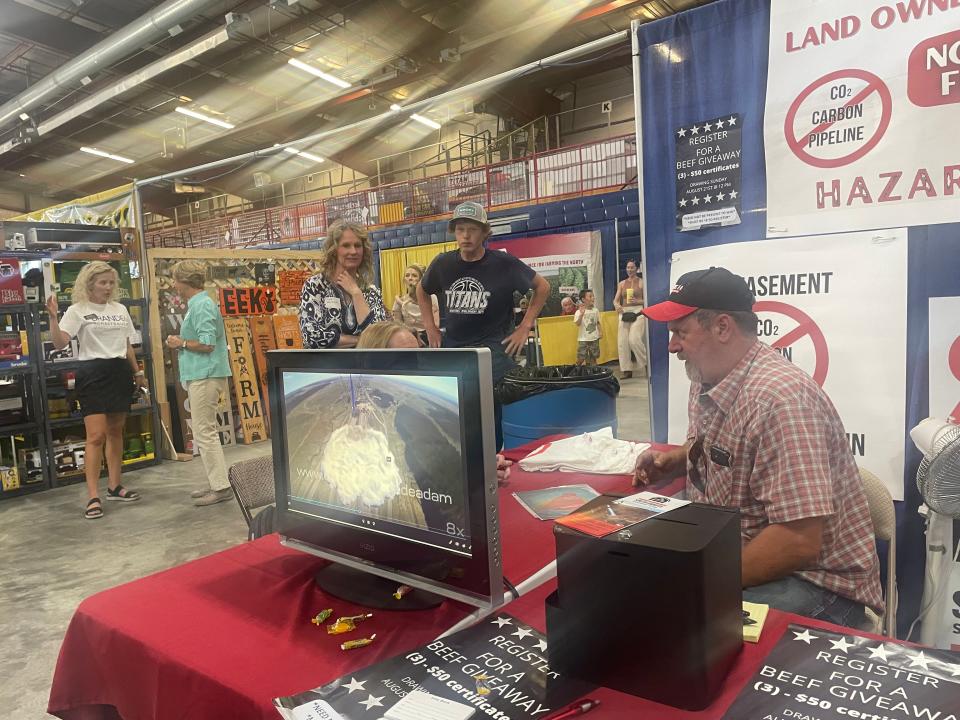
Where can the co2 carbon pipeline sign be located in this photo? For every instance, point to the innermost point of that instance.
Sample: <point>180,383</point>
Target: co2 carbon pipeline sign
<point>835,306</point>
<point>945,358</point>
<point>861,107</point>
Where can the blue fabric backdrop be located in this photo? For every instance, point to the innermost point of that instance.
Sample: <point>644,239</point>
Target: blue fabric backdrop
<point>711,61</point>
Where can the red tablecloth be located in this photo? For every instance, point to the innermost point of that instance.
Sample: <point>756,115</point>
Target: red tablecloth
<point>221,636</point>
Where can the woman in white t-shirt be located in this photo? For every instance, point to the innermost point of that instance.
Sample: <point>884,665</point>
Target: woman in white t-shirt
<point>106,377</point>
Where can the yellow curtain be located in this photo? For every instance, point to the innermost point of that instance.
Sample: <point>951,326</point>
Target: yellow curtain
<point>394,262</point>
<point>558,339</point>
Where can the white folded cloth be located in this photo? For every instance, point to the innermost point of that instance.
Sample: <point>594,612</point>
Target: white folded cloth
<point>593,452</point>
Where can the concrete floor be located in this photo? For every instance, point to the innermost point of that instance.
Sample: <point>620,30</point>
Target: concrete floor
<point>53,557</point>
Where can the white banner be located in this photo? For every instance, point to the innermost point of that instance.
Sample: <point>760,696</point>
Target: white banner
<point>836,306</point>
<point>945,357</point>
<point>861,116</point>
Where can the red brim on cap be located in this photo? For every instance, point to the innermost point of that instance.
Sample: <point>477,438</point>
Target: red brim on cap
<point>668,311</point>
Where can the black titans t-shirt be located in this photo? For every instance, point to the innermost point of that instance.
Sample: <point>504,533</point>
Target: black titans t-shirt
<point>478,295</point>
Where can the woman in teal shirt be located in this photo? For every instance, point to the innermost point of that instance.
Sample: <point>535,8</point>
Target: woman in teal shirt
<point>204,369</point>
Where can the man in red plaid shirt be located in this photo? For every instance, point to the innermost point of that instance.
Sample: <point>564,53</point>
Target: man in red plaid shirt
<point>763,437</point>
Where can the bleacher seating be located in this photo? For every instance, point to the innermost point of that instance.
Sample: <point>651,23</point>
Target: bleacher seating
<point>622,207</point>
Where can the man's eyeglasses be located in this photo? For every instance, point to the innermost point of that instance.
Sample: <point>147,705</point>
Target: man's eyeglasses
<point>694,456</point>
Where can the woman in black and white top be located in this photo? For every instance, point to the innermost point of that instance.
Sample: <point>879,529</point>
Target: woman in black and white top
<point>337,304</point>
<point>106,377</point>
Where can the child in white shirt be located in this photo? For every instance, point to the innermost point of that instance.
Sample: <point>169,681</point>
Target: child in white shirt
<point>587,318</point>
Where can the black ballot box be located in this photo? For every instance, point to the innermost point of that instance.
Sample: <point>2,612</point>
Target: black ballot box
<point>654,610</point>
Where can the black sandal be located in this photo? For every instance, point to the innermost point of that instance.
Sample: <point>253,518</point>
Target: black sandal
<point>122,494</point>
<point>93,512</point>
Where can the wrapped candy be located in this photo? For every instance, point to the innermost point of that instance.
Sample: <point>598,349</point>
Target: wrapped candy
<point>401,591</point>
<point>353,644</point>
<point>346,624</point>
<point>321,616</point>
<point>482,687</point>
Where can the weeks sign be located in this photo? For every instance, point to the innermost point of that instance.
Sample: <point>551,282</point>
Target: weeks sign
<point>835,306</point>
<point>813,674</point>
<point>862,103</point>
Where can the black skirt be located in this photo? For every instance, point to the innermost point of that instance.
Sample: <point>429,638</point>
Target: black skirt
<point>105,386</point>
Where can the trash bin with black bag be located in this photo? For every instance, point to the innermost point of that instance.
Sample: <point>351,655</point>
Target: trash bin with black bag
<point>556,399</point>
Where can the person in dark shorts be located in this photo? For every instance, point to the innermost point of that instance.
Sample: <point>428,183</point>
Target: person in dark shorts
<point>107,376</point>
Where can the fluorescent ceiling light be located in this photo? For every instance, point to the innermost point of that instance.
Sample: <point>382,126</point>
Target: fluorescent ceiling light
<point>103,154</point>
<point>178,57</point>
<point>425,121</point>
<point>305,155</point>
<point>206,118</point>
<point>396,108</point>
<point>319,73</point>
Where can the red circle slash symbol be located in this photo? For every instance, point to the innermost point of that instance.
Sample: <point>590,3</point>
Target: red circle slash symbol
<point>953,361</point>
<point>873,85</point>
<point>805,326</point>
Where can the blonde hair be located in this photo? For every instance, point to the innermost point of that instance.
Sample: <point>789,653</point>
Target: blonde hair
<point>379,334</point>
<point>190,272</point>
<point>412,291</point>
<point>88,275</point>
<point>334,233</point>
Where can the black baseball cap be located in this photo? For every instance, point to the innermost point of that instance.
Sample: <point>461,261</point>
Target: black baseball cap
<point>715,288</point>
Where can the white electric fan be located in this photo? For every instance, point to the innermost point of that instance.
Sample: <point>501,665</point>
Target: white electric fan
<point>938,480</point>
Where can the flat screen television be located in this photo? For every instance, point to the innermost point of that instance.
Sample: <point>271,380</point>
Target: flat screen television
<point>385,463</point>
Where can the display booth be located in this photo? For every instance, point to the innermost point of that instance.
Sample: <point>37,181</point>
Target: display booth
<point>258,292</point>
<point>812,148</point>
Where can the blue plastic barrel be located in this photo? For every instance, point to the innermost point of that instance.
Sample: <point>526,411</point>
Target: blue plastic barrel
<point>570,411</point>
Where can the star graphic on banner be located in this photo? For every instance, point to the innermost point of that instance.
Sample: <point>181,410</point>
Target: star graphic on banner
<point>733,194</point>
<point>707,127</point>
<point>682,132</point>
<point>371,702</point>
<point>720,196</point>
<point>731,121</point>
<point>719,124</point>
<point>695,130</point>
<point>954,669</point>
<point>522,633</point>
<point>696,200</point>
<point>683,202</point>
<point>919,660</point>
<point>805,636</point>
<point>354,684</point>
<point>542,646</point>
<point>500,622</point>
<point>878,653</point>
<point>707,199</point>
<point>842,644</point>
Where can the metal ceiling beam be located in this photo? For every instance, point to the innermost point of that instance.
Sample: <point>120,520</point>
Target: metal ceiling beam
<point>132,37</point>
<point>492,81</point>
<point>40,28</point>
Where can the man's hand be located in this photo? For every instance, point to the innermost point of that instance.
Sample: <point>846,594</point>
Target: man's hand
<point>503,469</point>
<point>174,342</point>
<point>434,337</point>
<point>654,466</point>
<point>516,340</point>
